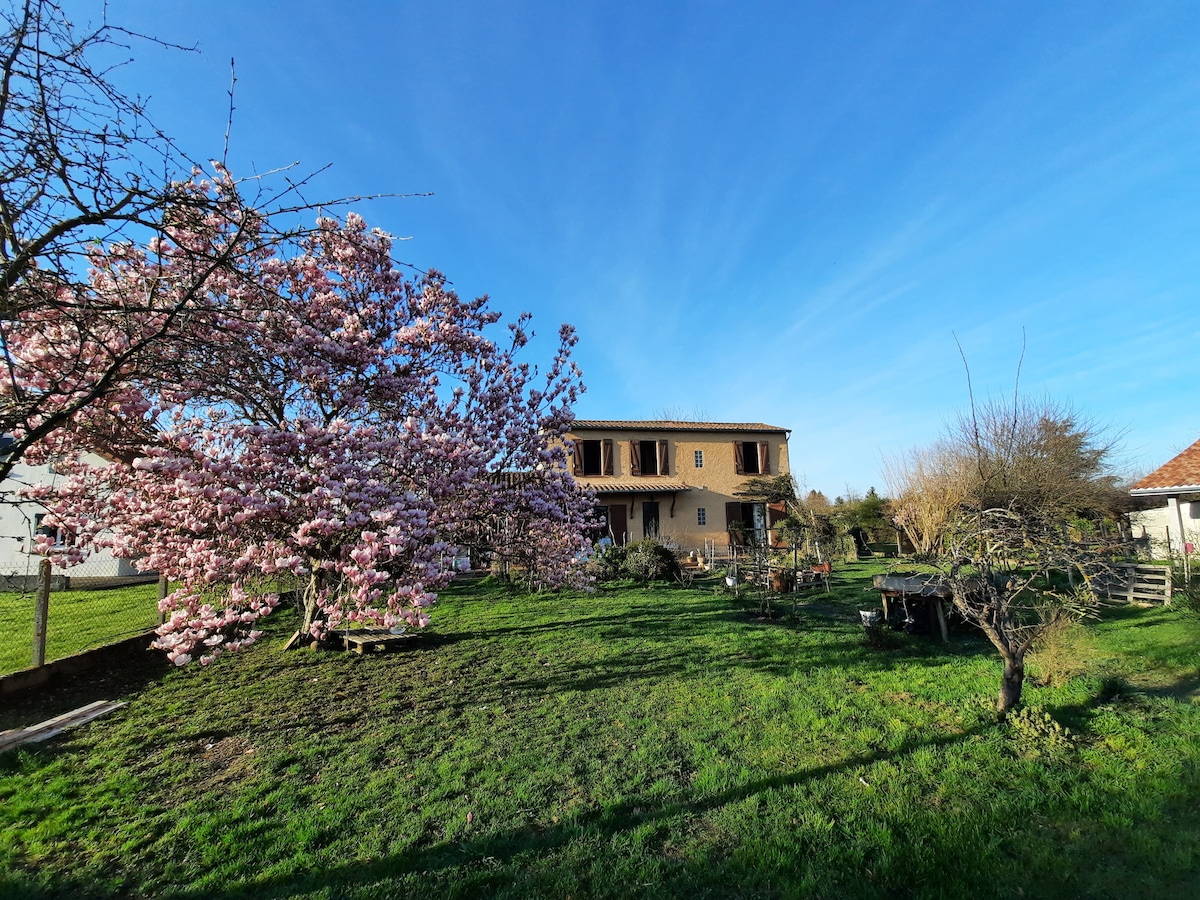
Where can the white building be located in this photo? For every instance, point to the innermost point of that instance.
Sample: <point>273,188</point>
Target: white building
<point>1173,529</point>
<point>21,520</point>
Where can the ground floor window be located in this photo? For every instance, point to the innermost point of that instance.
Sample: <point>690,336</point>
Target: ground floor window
<point>746,522</point>
<point>613,523</point>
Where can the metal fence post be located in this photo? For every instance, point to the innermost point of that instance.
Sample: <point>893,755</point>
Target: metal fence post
<point>40,613</point>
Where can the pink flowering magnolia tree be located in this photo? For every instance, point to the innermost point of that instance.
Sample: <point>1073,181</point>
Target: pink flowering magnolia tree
<point>334,426</point>
<point>79,351</point>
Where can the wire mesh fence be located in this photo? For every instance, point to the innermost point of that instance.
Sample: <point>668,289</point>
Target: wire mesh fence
<point>99,603</point>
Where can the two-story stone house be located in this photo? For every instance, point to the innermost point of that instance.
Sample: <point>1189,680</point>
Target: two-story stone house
<point>677,479</point>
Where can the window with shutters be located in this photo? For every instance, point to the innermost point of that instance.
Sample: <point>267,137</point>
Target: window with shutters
<point>751,458</point>
<point>649,458</point>
<point>746,522</point>
<point>593,458</point>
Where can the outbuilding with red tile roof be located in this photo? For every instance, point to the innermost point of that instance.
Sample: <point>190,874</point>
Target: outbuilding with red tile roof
<point>1175,528</point>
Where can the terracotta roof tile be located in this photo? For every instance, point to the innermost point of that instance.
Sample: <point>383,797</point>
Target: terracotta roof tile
<point>672,425</point>
<point>1179,474</point>
<point>648,485</point>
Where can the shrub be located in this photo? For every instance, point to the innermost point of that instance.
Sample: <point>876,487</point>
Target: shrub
<point>608,563</point>
<point>1186,592</point>
<point>1036,733</point>
<point>1061,652</point>
<point>876,634</point>
<point>647,560</point>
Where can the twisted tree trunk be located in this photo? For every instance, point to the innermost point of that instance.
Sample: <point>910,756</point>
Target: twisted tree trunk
<point>1011,684</point>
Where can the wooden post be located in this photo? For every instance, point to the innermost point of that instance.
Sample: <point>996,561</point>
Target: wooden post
<point>163,590</point>
<point>1173,507</point>
<point>40,613</point>
<point>941,614</point>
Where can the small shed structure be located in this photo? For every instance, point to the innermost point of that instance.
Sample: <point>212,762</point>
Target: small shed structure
<point>1175,481</point>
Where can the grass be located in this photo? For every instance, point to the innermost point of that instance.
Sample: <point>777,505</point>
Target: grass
<point>652,742</point>
<point>76,620</point>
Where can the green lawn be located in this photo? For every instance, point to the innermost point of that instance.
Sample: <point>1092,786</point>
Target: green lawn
<point>77,620</point>
<point>647,743</point>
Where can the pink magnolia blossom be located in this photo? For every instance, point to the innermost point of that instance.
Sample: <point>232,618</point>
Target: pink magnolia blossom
<point>329,425</point>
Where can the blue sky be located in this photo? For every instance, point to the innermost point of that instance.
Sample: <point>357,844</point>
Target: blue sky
<point>758,212</point>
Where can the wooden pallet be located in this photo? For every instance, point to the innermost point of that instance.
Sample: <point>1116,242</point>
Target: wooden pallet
<point>363,640</point>
<point>1136,583</point>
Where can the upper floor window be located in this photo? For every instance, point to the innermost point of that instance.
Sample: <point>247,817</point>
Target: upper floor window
<point>751,458</point>
<point>699,459</point>
<point>593,458</point>
<point>648,458</point>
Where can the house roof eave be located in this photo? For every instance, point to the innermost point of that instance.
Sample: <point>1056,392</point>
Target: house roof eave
<point>1173,490</point>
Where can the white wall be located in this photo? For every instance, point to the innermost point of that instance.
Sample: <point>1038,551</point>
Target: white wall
<point>17,529</point>
<point>1155,522</point>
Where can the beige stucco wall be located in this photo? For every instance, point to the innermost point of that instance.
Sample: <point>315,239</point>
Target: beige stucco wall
<point>710,487</point>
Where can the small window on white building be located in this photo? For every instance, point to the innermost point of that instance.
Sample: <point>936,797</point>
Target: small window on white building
<point>701,515</point>
<point>699,456</point>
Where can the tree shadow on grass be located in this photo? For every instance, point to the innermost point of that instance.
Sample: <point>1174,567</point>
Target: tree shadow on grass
<point>1140,615</point>
<point>500,849</point>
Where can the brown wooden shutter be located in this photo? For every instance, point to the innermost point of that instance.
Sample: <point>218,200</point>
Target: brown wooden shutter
<point>764,458</point>
<point>617,523</point>
<point>776,512</point>
<point>635,458</point>
<point>577,459</point>
<point>606,462</point>
<point>663,459</point>
<point>739,459</point>
<point>733,517</point>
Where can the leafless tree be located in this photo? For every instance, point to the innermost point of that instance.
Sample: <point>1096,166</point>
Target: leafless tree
<point>989,506</point>
<point>928,486</point>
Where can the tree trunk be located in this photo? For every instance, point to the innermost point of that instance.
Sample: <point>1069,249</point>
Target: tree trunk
<point>1010,685</point>
<point>316,582</point>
